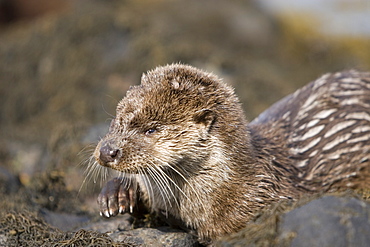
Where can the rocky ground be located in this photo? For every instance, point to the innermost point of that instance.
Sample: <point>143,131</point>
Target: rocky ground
<point>62,73</point>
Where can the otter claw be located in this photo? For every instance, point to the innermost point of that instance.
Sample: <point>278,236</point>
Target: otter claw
<point>106,214</point>
<point>111,212</point>
<point>115,198</point>
<point>121,209</point>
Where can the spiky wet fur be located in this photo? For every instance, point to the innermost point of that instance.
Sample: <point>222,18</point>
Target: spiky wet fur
<point>183,137</point>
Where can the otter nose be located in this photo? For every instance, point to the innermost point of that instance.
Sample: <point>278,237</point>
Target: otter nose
<point>108,153</point>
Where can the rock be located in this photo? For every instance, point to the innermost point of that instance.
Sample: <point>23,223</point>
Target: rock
<point>162,236</point>
<point>121,222</point>
<point>119,229</point>
<point>62,221</point>
<point>328,221</point>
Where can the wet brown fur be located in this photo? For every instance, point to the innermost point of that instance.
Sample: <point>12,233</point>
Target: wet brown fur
<point>198,160</point>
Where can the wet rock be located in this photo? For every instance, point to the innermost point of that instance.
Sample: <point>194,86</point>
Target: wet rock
<point>328,221</point>
<point>162,236</point>
<point>120,230</point>
<point>62,221</point>
<point>121,222</point>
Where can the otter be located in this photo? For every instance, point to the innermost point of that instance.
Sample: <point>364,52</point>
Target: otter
<point>185,150</point>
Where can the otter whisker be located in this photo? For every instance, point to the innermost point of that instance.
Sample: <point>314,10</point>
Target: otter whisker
<point>87,150</point>
<point>87,161</point>
<point>92,170</point>
<point>181,175</point>
<point>105,174</point>
<point>168,178</point>
<point>148,185</point>
<point>125,179</point>
<point>163,188</point>
<point>153,176</point>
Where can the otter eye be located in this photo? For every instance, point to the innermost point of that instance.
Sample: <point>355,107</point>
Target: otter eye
<point>150,131</point>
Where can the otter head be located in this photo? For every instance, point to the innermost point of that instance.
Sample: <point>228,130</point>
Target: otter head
<point>174,121</point>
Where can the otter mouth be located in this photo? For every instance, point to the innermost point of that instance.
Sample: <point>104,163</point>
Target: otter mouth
<point>108,154</point>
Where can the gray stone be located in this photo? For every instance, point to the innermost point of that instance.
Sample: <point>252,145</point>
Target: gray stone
<point>120,230</point>
<point>328,221</point>
<point>162,236</point>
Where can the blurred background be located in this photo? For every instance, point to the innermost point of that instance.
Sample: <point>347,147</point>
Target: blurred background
<point>64,65</point>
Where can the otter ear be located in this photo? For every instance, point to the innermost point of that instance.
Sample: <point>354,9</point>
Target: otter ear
<point>205,117</point>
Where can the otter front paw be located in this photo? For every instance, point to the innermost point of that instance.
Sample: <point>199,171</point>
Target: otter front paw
<point>116,197</point>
